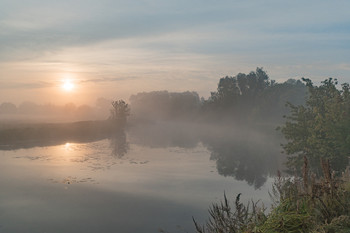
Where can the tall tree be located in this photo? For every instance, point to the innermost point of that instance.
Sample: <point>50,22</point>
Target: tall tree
<point>239,94</point>
<point>120,112</point>
<point>320,129</point>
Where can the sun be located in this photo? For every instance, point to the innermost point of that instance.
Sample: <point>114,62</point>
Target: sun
<point>68,85</point>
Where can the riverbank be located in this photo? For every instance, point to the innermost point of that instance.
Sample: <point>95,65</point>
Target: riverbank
<point>304,204</point>
<point>45,134</point>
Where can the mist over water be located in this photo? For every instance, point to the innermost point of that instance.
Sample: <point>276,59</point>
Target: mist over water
<point>177,154</point>
<point>150,176</point>
<point>137,116</point>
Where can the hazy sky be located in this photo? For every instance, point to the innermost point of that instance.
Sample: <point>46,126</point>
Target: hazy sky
<point>112,49</point>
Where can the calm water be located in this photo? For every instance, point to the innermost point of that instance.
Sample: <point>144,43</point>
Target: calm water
<point>130,183</point>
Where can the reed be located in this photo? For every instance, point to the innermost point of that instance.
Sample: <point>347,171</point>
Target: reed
<point>301,204</point>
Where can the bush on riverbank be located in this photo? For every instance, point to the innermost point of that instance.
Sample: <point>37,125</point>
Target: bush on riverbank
<point>303,204</point>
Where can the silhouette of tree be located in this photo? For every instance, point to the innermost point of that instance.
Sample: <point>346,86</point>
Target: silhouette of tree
<point>164,105</point>
<point>271,105</point>
<point>239,94</point>
<point>8,108</point>
<point>120,112</point>
<point>253,96</point>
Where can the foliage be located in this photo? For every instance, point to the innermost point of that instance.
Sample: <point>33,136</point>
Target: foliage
<point>224,219</point>
<point>310,205</point>
<point>120,112</point>
<point>242,97</point>
<point>253,96</point>
<point>271,105</point>
<point>8,108</point>
<point>240,91</point>
<point>320,128</point>
<point>302,204</point>
<point>164,105</point>
<point>318,131</point>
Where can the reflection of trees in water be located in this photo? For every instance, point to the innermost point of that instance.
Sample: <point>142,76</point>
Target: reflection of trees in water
<point>245,160</point>
<point>163,135</point>
<point>119,144</point>
<point>245,154</point>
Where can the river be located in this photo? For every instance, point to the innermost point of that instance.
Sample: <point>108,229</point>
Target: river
<point>129,183</point>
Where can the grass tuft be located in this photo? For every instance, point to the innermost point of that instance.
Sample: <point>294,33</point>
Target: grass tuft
<point>301,204</point>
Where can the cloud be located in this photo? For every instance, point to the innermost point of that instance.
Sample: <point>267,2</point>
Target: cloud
<point>104,80</point>
<point>112,41</point>
<point>25,85</point>
<point>50,26</point>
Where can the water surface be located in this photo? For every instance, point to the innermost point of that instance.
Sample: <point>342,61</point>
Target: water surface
<point>129,183</point>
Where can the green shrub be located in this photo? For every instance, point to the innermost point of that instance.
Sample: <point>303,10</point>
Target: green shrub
<point>300,205</point>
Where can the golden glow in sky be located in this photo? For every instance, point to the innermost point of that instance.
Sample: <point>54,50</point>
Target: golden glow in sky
<point>115,60</point>
<point>68,85</point>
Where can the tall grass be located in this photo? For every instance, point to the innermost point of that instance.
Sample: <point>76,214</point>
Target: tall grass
<point>301,204</point>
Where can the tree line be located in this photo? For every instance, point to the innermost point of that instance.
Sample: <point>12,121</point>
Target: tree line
<point>244,96</point>
<point>315,120</point>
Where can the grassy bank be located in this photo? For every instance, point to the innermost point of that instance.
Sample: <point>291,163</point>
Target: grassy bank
<point>305,204</point>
